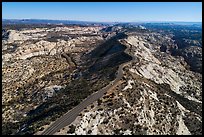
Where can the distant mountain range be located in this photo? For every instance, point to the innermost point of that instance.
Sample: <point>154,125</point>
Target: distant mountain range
<point>44,21</point>
<point>47,21</point>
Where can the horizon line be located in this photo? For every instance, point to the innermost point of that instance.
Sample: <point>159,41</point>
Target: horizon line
<point>98,21</point>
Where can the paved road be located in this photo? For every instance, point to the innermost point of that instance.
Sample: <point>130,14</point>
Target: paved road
<point>71,115</point>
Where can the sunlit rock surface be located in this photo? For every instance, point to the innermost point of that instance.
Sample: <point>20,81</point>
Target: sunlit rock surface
<point>159,95</point>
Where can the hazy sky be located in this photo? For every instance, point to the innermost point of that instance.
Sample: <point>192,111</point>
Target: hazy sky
<point>104,11</point>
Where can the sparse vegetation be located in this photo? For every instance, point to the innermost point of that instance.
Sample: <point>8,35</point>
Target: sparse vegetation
<point>71,129</point>
<point>85,68</point>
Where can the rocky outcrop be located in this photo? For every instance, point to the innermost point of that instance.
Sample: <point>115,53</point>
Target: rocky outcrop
<point>32,64</point>
<point>16,36</point>
<point>193,56</point>
<point>5,34</point>
<point>157,94</point>
<point>153,98</point>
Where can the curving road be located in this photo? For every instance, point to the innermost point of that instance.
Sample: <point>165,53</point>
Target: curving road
<point>71,115</point>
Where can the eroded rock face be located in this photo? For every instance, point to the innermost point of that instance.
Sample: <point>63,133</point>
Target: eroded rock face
<point>34,68</point>
<point>5,34</point>
<point>193,56</point>
<point>158,95</point>
<point>16,36</point>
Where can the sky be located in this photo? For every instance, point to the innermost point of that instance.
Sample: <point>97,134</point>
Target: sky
<point>104,11</point>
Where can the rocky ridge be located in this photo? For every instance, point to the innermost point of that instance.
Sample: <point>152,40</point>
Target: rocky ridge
<point>33,66</point>
<point>157,95</point>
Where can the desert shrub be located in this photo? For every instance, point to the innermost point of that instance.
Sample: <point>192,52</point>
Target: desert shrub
<point>89,132</point>
<point>72,129</point>
<point>99,101</point>
<point>41,129</point>
<point>116,131</point>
